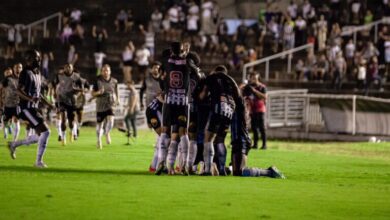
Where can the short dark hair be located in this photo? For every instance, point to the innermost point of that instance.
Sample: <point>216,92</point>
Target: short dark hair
<point>176,47</point>
<point>254,73</point>
<point>156,63</point>
<point>30,55</point>
<point>221,68</point>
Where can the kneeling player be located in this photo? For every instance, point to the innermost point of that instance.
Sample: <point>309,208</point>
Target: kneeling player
<point>241,145</point>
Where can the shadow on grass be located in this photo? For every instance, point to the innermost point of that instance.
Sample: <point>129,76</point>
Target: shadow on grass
<point>73,170</point>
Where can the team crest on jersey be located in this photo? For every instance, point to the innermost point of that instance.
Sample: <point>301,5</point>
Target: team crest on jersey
<point>182,118</point>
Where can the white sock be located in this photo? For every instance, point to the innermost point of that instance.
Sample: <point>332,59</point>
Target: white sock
<point>42,144</point>
<point>5,131</point>
<point>179,155</point>
<point>208,156</point>
<point>155,155</point>
<point>185,142</point>
<point>191,156</point>
<point>74,130</point>
<point>162,148</point>
<point>16,130</point>
<point>172,150</point>
<point>32,139</point>
<point>99,132</point>
<point>109,125</point>
<point>58,126</point>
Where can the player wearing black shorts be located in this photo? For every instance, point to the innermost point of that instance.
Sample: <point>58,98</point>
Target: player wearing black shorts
<point>195,78</point>
<point>176,76</point>
<point>223,92</point>
<point>80,101</point>
<point>241,145</point>
<point>105,90</point>
<point>67,89</point>
<point>11,100</point>
<point>29,91</point>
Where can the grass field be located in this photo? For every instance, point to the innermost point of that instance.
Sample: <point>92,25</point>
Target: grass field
<point>324,181</point>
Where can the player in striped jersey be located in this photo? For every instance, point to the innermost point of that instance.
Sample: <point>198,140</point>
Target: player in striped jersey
<point>11,100</point>
<point>29,91</point>
<point>105,90</point>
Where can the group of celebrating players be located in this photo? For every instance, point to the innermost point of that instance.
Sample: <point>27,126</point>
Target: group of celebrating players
<point>190,112</point>
<point>192,115</point>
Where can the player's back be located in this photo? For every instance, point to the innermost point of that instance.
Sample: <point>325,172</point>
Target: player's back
<point>176,80</point>
<point>10,86</point>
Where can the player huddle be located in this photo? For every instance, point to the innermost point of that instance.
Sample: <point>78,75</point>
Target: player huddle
<point>192,115</point>
<point>190,112</point>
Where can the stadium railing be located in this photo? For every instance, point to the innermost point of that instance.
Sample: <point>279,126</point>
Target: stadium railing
<point>266,60</point>
<point>43,21</point>
<point>350,114</point>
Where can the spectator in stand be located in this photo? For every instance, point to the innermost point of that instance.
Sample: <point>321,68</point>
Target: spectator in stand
<point>11,33</point>
<point>274,30</point>
<point>356,8</point>
<point>149,39</point>
<point>174,13</point>
<point>156,19</point>
<point>100,35</point>
<point>66,16</point>
<point>238,57</point>
<point>370,51</point>
<point>335,34</point>
<point>192,24</point>
<point>361,74</point>
<point>66,33</point>
<point>207,17</point>
<point>322,32</point>
<point>166,26</point>
<point>99,60</point>
<point>350,49</point>
<point>75,17</point>
<point>18,36</point>
<point>339,70</point>
<point>292,10</point>
<point>299,69</point>
<point>73,56</point>
<point>222,32</point>
<point>301,28</point>
<point>288,34</point>
<point>260,33</point>
<point>306,9</point>
<point>127,61</point>
<point>241,33</point>
<point>310,66</point>
<point>373,74</point>
<point>322,68</point>
<point>130,20</point>
<point>142,59</point>
<point>121,21</point>
<point>132,111</point>
<point>387,59</point>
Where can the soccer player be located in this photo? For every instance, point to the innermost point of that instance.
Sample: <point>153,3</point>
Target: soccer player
<point>223,92</point>
<point>29,91</point>
<point>176,75</point>
<point>132,111</point>
<point>79,105</point>
<point>151,85</point>
<point>195,78</point>
<point>255,92</point>
<point>105,90</point>
<point>6,126</point>
<point>66,93</point>
<point>11,100</point>
<point>241,146</point>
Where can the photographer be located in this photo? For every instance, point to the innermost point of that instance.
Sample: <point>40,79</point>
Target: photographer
<point>255,94</point>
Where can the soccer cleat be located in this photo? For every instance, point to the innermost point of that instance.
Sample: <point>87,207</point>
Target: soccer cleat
<point>255,147</point>
<point>264,147</point>
<point>246,172</point>
<point>63,142</point>
<point>275,173</point>
<point>78,132</point>
<point>171,172</point>
<point>59,138</point>
<point>108,138</point>
<point>71,138</point>
<point>40,164</point>
<point>205,174</point>
<point>201,168</point>
<point>11,150</point>
<point>160,168</point>
<point>99,145</point>
<point>214,170</point>
<point>152,170</point>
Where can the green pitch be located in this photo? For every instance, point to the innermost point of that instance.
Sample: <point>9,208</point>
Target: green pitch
<point>324,181</point>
